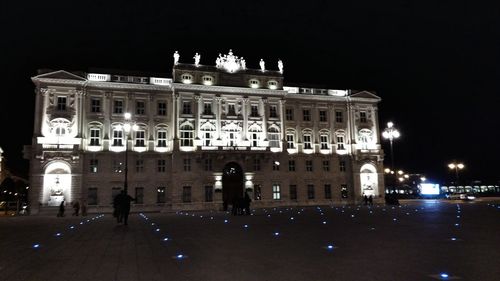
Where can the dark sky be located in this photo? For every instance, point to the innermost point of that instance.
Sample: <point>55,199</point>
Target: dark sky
<point>435,65</point>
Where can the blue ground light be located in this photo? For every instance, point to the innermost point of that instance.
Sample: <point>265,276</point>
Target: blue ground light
<point>444,275</point>
<point>36,246</point>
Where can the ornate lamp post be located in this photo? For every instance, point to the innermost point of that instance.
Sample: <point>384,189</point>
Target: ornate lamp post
<point>456,167</point>
<point>391,133</point>
<point>128,126</point>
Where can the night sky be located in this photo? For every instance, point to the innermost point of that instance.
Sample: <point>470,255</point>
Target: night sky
<point>435,65</point>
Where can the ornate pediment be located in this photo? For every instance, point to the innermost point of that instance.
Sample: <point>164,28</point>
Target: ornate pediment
<point>365,95</point>
<point>60,74</point>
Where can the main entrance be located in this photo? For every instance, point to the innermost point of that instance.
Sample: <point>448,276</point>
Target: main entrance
<point>232,183</point>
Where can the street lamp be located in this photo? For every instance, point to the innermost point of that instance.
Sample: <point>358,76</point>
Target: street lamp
<point>127,128</point>
<point>456,167</point>
<point>391,133</point>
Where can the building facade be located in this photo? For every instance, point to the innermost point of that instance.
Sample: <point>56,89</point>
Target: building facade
<point>200,139</point>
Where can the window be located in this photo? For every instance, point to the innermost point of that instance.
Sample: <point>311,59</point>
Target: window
<point>207,108</point>
<point>186,107</point>
<point>254,110</point>
<point>117,137</point>
<point>139,165</point>
<point>310,191</point>
<point>274,137</point>
<point>276,191</point>
<point>289,114</point>
<point>291,165</point>
<point>307,141</point>
<point>362,117</point>
<point>276,166</point>
<point>257,195</point>
<point>139,195</point>
<point>94,164</point>
<point>186,194</point>
<point>324,141</point>
<point>209,193</point>
<point>187,78</point>
<point>293,192</point>
<point>140,138</point>
<point>186,135</point>
<point>117,106</point>
<point>328,191</point>
<point>306,114</point>
<point>339,117</point>
<point>326,165</point>
<point>208,80</point>
<point>161,165</point>
<point>162,108</point>
<point>207,138</point>
<point>290,144</point>
<point>231,110</point>
<point>271,84</point>
<point>187,164</point>
<point>95,136</point>
<point>309,165</point>
<point>161,138</point>
<point>340,142</point>
<point>140,107</point>
<point>160,195</point>
<point>95,105</point>
<point>208,164</point>
<point>61,103</point>
<point>322,116</point>
<point>343,190</point>
<point>342,167</point>
<point>254,83</point>
<point>256,164</point>
<point>92,196</point>
<point>273,111</point>
<point>117,166</point>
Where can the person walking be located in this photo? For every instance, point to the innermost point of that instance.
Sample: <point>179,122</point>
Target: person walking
<point>76,208</point>
<point>370,200</point>
<point>84,209</point>
<point>124,202</point>
<point>246,204</point>
<point>61,209</point>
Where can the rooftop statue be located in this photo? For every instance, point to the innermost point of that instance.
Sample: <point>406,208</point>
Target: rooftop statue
<point>280,66</point>
<point>176,58</point>
<point>230,62</point>
<point>262,65</point>
<point>197,58</point>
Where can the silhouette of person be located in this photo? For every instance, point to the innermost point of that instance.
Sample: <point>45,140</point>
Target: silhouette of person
<point>84,209</point>
<point>235,207</point>
<point>124,202</point>
<point>76,208</point>
<point>365,199</point>
<point>370,200</point>
<point>117,208</point>
<point>246,204</point>
<point>61,209</point>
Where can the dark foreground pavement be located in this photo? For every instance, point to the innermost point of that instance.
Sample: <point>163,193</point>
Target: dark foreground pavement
<point>416,241</point>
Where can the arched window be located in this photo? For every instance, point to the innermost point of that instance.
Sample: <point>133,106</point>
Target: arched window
<point>307,139</point>
<point>365,138</point>
<point>186,135</point>
<point>254,135</point>
<point>290,139</point>
<point>340,140</point>
<point>207,134</point>
<point>60,127</point>
<point>274,137</point>
<point>161,137</point>
<point>324,139</point>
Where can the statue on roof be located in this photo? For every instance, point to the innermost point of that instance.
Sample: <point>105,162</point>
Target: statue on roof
<point>197,58</point>
<point>262,65</point>
<point>176,58</point>
<point>280,66</point>
<point>243,63</point>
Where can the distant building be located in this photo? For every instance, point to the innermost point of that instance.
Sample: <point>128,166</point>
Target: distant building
<point>201,138</point>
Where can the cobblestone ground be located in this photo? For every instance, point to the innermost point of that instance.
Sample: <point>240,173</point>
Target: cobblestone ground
<point>420,240</point>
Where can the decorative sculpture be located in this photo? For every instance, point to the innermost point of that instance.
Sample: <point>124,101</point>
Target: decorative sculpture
<point>243,63</point>
<point>262,65</point>
<point>230,62</point>
<point>176,58</point>
<point>197,58</point>
<point>280,66</point>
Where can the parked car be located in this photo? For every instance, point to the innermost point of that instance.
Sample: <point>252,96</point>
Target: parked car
<point>461,196</point>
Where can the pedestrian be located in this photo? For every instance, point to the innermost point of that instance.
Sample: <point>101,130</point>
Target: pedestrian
<point>124,202</point>
<point>61,209</point>
<point>365,199</point>
<point>117,208</point>
<point>84,209</point>
<point>370,200</point>
<point>76,208</point>
<point>246,204</point>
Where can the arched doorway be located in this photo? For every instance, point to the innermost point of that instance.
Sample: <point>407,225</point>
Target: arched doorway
<point>369,180</point>
<point>232,183</point>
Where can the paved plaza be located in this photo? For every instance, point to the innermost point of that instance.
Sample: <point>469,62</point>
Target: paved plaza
<point>419,240</point>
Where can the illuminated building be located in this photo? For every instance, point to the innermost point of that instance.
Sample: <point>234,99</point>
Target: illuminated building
<point>201,138</point>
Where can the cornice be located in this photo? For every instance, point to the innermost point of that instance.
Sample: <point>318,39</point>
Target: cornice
<point>226,89</point>
<point>127,86</point>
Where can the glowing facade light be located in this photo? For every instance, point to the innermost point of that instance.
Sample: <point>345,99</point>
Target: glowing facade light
<point>390,133</point>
